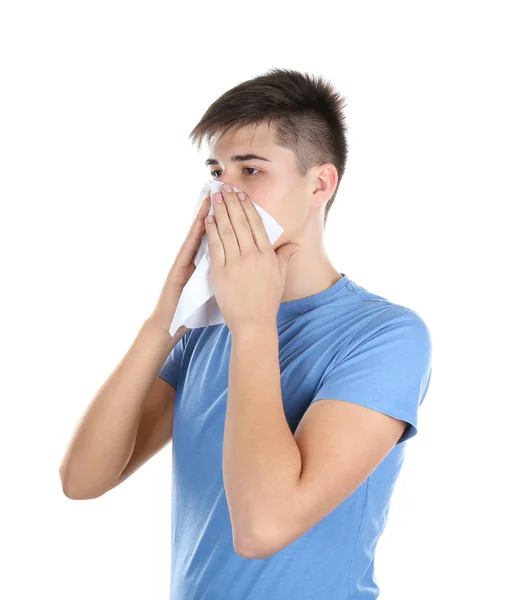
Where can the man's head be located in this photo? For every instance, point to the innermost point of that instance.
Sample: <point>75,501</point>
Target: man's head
<point>296,123</point>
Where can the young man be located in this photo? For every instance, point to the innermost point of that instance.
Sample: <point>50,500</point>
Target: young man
<point>289,420</point>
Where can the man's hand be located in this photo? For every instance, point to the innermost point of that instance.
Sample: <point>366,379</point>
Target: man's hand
<point>180,273</point>
<point>246,273</point>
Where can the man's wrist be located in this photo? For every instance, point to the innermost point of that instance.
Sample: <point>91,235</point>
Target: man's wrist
<point>254,328</point>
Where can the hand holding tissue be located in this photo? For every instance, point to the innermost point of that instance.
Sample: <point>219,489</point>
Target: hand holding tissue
<point>197,306</point>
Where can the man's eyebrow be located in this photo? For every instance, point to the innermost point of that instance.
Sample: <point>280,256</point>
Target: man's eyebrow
<point>237,158</point>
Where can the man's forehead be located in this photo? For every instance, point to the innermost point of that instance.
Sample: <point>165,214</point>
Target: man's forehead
<point>243,145</point>
<point>212,159</point>
<point>251,137</point>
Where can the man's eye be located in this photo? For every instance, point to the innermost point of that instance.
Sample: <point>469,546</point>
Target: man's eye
<point>244,169</point>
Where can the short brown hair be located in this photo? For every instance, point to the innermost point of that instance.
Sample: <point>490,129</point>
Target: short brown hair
<point>306,110</point>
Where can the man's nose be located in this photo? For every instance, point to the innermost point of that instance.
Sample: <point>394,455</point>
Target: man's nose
<point>233,186</point>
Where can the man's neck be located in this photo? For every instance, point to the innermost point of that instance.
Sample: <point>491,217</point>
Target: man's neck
<point>306,277</point>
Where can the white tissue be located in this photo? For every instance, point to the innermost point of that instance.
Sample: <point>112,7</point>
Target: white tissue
<point>197,306</point>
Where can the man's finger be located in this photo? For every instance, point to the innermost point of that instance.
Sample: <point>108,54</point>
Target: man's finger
<point>201,211</point>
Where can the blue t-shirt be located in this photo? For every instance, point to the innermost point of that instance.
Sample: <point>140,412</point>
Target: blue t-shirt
<point>343,343</point>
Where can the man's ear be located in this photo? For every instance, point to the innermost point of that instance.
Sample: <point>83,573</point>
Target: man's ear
<point>325,183</point>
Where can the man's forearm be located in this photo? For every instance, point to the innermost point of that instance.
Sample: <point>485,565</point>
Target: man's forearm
<point>105,437</point>
<point>261,460</point>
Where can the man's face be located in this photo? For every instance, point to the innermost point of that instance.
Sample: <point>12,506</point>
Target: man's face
<point>275,184</point>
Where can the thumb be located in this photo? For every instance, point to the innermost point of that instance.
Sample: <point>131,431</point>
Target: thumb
<point>286,251</point>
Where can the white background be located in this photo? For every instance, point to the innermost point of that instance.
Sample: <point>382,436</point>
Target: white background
<point>98,182</point>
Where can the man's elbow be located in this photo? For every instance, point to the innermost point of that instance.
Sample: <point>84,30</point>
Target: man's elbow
<point>253,550</point>
<point>257,546</point>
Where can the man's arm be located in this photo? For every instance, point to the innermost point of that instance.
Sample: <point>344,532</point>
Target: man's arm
<point>261,460</point>
<point>105,438</point>
<point>278,485</point>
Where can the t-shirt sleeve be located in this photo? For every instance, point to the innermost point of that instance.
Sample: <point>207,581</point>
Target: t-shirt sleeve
<point>171,367</point>
<point>386,367</point>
